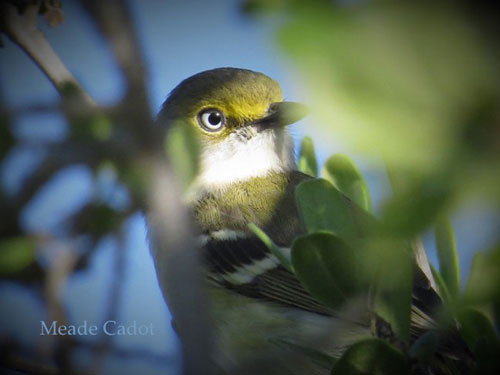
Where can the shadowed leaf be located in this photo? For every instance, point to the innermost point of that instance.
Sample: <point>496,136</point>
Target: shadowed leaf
<point>388,262</point>
<point>327,267</point>
<point>371,356</point>
<point>425,346</point>
<point>481,338</point>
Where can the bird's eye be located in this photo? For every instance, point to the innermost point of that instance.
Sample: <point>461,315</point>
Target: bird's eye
<point>211,119</point>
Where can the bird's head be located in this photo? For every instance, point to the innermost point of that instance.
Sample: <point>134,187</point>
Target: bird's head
<point>240,119</point>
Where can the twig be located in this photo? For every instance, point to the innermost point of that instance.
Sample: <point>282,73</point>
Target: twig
<point>22,29</point>
<point>59,271</point>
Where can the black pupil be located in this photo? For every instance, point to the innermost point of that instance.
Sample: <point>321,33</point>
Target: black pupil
<point>214,118</point>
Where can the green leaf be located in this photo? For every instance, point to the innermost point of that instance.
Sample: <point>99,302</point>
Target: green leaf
<point>413,210</point>
<point>481,338</point>
<point>483,284</point>
<point>391,266</point>
<point>307,157</point>
<point>275,249</point>
<point>371,356</point>
<point>183,150</point>
<point>448,257</point>
<point>425,346</point>
<point>441,285</point>
<point>474,325</point>
<point>323,207</point>
<point>101,127</point>
<point>16,254</point>
<point>327,267</point>
<point>341,171</point>
<point>321,359</point>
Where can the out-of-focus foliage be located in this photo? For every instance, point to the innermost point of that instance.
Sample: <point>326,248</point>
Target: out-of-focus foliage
<point>324,263</point>
<point>349,255</point>
<point>448,257</point>
<point>371,356</point>
<point>341,171</point>
<point>182,148</point>
<point>417,83</point>
<point>16,254</point>
<point>307,157</point>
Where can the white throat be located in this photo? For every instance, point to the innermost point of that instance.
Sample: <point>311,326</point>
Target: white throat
<point>236,159</point>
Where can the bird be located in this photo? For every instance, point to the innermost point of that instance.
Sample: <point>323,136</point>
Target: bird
<point>263,315</point>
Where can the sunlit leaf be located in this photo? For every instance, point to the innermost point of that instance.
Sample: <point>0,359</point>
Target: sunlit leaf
<point>323,207</point>
<point>371,356</point>
<point>448,257</point>
<point>307,157</point>
<point>390,77</point>
<point>341,171</point>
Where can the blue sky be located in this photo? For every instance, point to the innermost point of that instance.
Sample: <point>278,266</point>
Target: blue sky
<point>178,39</point>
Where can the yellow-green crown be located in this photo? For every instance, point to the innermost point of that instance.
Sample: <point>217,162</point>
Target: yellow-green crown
<point>241,95</point>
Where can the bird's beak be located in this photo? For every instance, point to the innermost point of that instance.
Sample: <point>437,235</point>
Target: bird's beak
<point>281,114</point>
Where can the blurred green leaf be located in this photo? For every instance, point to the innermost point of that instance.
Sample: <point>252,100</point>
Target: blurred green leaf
<point>96,127</point>
<point>101,127</point>
<point>371,356</point>
<point>441,285</point>
<point>341,171</point>
<point>136,175</point>
<point>389,263</point>
<point>481,338</point>
<point>327,267</point>
<point>16,254</point>
<point>307,157</point>
<point>97,219</point>
<point>448,257</point>
<point>322,207</point>
<point>390,76</point>
<point>483,285</point>
<point>413,210</point>
<point>183,150</point>
<point>323,360</point>
<point>424,347</point>
<point>275,249</point>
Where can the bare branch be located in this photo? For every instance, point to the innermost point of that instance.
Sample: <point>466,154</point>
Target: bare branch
<point>22,29</point>
<point>60,270</point>
<point>113,19</point>
<point>179,269</point>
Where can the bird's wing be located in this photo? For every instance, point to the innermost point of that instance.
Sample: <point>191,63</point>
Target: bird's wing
<point>246,266</point>
<point>241,262</point>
